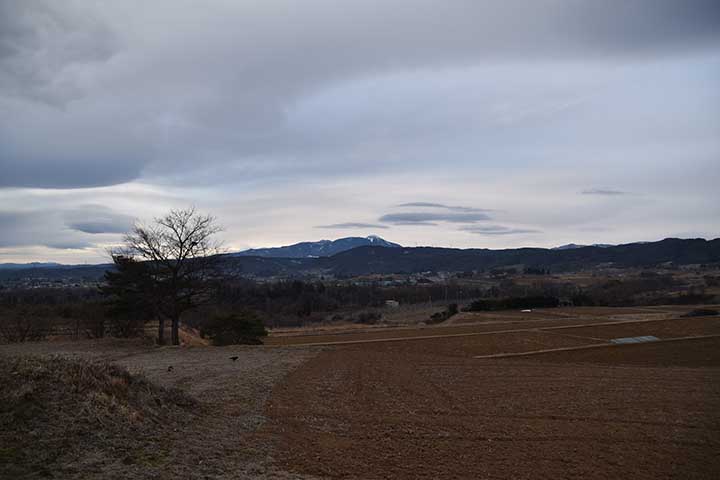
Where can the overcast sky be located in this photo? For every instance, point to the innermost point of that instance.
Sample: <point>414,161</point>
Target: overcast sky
<point>463,123</point>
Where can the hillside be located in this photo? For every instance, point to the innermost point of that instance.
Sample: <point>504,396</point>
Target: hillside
<point>322,248</point>
<point>13,266</point>
<point>63,418</point>
<point>412,260</point>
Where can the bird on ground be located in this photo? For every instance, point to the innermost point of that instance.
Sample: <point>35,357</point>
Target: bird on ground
<point>234,358</point>
<point>170,368</point>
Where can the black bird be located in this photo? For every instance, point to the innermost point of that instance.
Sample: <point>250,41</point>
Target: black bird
<point>170,368</point>
<point>234,358</point>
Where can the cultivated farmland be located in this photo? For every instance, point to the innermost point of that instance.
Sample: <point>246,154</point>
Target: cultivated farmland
<point>539,394</point>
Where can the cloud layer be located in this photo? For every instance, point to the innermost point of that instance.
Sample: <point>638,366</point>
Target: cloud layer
<point>282,117</point>
<point>430,218</point>
<point>75,228</point>
<point>603,191</point>
<point>113,98</point>
<point>352,225</point>
<point>97,219</point>
<point>496,230</point>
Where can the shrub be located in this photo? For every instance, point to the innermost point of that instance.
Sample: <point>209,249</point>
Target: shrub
<point>582,300</point>
<point>513,303</point>
<point>440,317</point>
<point>23,326</point>
<point>237,328</point>
<point>123,326</point>
<point>369,318</point>
<point>85,318</point>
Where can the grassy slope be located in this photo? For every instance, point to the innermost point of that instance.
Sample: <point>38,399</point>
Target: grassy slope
<point>60,417</point>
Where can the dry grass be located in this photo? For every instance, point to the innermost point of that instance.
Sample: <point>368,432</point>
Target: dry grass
<point>60,416</point>
<point>91,420</point>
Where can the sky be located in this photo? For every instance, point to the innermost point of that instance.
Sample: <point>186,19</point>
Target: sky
<point>461,123</point>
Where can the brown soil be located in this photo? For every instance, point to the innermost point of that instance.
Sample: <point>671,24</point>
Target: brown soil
<point>470,322</point>
<point>679,327</point>
<point>696,353</point>
<point>430,331</point>
<point>558,313</point>
<point>588,329</point>
<point>422,409</point>
<point>470,346</point>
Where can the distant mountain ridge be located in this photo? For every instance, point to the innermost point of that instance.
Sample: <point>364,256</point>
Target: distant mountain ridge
<point>13,266</point>
<point>322,248</point>
<point>673,251</point>
<point>571,246</point>
<point>372,259</point>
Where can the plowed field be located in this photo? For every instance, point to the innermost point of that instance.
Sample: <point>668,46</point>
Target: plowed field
<point>427,409</point>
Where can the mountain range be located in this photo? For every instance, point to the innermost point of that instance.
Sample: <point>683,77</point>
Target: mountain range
<point>571,246</point>
<point>12,266</point>
<point>374,259</point>
<point>671,251</point>
<point>322,248</point>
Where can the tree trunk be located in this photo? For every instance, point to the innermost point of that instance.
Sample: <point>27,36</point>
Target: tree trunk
<point>175,330</point>
<point>161,331</point>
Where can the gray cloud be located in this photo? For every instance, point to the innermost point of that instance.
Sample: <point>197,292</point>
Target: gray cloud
<point>642,25</point>
<point>496,230</point>
<point>68,244</point>
<point>11,224</point>
<point>60,228</point>
<point>443,206</point>
<point>28,228</point>
<point>98,97</point>
<point>417,218</point>
<point>81,171</point>
<point>603,191</point>
<point>96,219</point>
<point>514,104</point>
<point>351,225</point>
<point>62,133</point>
<point>40,42</point>
<point>414,223</point>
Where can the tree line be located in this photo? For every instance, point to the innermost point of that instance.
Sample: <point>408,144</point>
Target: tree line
<point>171,271</point>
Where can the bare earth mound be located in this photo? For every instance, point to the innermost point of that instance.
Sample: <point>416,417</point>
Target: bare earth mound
<point>60,417</point>
<point>107,429</point>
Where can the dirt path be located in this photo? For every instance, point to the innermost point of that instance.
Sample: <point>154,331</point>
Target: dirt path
<point>375,411</point>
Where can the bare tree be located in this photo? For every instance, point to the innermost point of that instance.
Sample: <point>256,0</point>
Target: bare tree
<point>24,326</point>
<point>180,252</point>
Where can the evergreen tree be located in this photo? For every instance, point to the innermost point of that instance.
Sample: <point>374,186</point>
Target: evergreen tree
<point>131,296</point>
